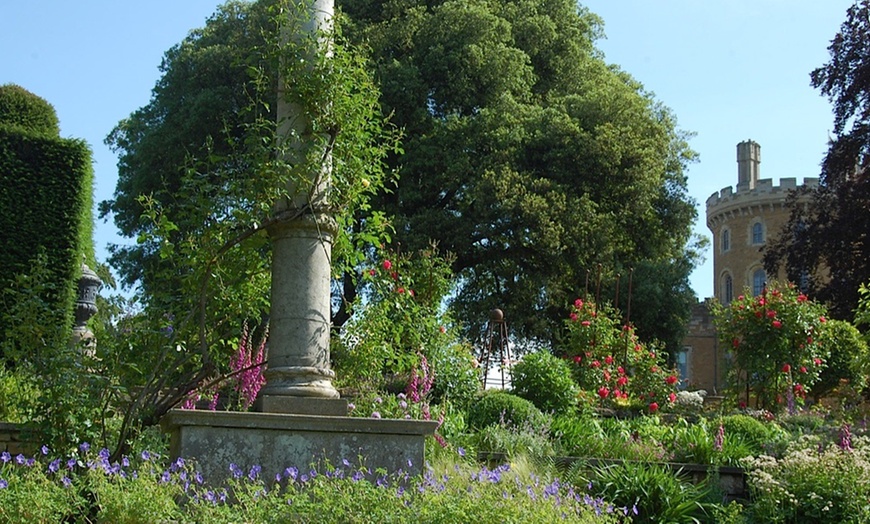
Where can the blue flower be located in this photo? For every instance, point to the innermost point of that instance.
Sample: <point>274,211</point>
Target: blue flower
<point>20,459</point>
<point>84,447</point>
<point>5,457</point>
<point>66,482</point>
<point>54,466</point>
<point>198,477</point>
<point>146,456</point>
<point>3,484</point>
<point>71,463</point>
<point>461,451</point>
<point>291,472</point>
<point>255,472</point>
<point>44,450</point>
<point>104,454</point>
<point>236,471</point>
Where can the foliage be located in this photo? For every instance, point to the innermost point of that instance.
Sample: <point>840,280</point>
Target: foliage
<point>529,158</point>
<point>778,342</point>
<point>525,440</point>
<point>63,389</point>
<point>824,240</point>
<point>21,108</point>
<point>611,364</point>
<point>499,407</point>
<point>89,486</point>
<point>457,377</point>
<point>204,163</point>
<point>546,381</point>
<point>849,360</point>
<point>755,434</point>
<point>45,205</point>
<point>397,318</point>
<point>604,439</point>
<point>811,484</point>
<point>17,391</point>
<point>658,493</point>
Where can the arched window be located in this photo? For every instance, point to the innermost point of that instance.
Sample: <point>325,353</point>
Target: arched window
<point>757,233</point>
<point>758,280</point>
<point>726,240</point>
<point>683,366</point>
<point>728,289</point>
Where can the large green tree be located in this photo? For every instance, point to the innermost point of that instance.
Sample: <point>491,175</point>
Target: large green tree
<point>531,159</point>
<point>526,155</point>
<point>826,243</point>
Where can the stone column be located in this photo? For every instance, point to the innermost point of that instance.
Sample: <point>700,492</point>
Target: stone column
<point>298,352</point>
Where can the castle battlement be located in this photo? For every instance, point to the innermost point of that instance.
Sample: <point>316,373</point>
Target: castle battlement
<point>764,190</point>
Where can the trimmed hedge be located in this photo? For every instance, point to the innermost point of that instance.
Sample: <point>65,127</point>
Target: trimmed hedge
<point>498,407</point>
<point>46,198</point>
<point>21,108</point>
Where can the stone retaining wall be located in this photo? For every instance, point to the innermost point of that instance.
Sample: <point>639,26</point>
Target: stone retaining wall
<point>11,439</point>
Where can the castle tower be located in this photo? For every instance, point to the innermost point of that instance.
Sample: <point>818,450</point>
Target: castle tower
<point>742,222</point>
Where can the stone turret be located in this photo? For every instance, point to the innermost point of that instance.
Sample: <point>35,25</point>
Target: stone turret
<point>743,220</point>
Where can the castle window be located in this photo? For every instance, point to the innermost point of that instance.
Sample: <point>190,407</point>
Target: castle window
<point>728,289</point>
<point>726,240</point>
<point>757,233</point>
<point>759,279</point>
<point>683,366</point>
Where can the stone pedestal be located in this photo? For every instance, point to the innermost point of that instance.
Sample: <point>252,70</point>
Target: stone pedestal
<point>216,439</point>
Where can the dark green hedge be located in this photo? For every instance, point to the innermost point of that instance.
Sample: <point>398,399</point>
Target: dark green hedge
<point>21,108</point>
<point>46,197</point>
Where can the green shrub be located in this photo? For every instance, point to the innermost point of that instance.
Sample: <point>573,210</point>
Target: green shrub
<point>604,438</point>
<point>499,407</point>
<point>21,108</point>
<point>546,381</point>
<point>754,433</point>
<point>18,392</point>
<point>529,441</point>
<point>456,378</point>
<point>849,360</point>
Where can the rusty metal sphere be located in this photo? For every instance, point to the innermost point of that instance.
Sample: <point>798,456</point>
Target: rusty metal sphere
<point>496,315</point>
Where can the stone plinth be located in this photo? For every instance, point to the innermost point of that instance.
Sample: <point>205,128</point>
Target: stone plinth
<point>215,439</point>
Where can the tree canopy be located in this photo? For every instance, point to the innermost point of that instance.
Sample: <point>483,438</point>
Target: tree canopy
<point>525,154</point>
<point>530,159</point>
<point>826,243</point>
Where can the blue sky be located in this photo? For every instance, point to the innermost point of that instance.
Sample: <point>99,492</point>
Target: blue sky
<point>730,70</point>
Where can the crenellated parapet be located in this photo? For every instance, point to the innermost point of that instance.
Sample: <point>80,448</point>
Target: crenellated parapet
<point>764,198</point>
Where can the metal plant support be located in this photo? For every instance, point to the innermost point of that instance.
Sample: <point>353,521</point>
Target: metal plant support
<point>496,341</point>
